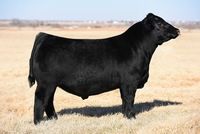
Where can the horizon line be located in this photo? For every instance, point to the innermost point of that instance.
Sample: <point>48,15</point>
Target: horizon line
<point>81,20</point>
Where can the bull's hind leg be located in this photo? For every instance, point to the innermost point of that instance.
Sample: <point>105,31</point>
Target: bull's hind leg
<point>43,94</point>
<point>128,96</point>
<point>50,110</point>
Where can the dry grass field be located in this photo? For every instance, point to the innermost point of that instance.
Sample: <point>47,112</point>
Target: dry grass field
<point>169,102</point>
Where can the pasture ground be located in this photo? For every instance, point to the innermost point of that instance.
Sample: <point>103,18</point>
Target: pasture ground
<point>169,102</point>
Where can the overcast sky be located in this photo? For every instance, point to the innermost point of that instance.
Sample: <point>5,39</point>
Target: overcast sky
<point>184,10</point>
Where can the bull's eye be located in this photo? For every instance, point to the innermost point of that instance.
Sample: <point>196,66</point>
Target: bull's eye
<point>160,24</point>
<point>156,19</point>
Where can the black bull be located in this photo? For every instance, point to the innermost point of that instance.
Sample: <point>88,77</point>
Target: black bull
<point>86,67</point>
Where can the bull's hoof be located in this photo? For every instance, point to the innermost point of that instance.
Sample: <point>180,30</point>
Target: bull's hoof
<point>36,122</point>
<point>130,115</point>
<point>54,117</point>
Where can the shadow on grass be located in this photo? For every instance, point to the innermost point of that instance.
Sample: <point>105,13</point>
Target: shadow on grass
<point>102,111</point>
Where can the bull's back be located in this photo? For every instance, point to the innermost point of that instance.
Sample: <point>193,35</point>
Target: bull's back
<point>62,51</point>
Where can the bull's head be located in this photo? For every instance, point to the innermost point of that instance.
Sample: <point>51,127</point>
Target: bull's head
<point>161,30</point>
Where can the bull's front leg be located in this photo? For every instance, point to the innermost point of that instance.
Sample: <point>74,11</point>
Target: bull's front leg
<point>128,96</point>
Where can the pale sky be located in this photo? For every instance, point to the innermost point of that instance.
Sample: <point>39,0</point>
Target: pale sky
<point>178,10</point>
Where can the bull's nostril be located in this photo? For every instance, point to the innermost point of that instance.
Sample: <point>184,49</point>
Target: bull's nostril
<point>178,31</point>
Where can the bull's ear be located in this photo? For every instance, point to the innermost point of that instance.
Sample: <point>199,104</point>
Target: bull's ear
<point>150,15</point>
<point>148,21</point>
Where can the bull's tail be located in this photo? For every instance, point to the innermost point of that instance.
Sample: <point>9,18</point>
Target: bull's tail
<point>31,80</point>
<point>31,77</point>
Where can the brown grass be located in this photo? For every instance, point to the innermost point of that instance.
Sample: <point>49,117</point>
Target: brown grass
<point>169,103</point>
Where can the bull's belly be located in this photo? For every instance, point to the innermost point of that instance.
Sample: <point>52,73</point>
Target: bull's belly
<point>84,90</point>
<point>86,83</point>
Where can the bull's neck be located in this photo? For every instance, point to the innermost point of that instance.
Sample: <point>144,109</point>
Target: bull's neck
<point>142,39</point>
<point>149,46</point>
